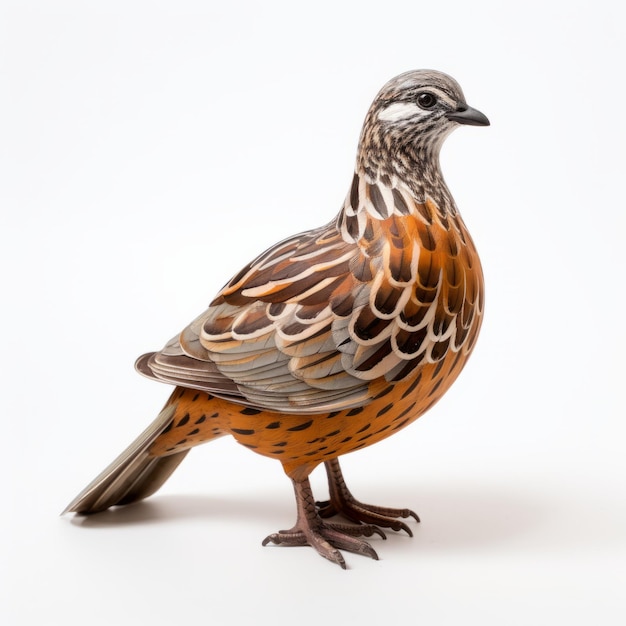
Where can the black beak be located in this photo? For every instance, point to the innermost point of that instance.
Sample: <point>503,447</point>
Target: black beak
<point>466,115</point>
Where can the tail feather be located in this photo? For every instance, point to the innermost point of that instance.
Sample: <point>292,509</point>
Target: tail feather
<point>134,475</point>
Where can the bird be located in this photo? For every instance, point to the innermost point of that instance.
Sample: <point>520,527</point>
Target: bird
<point>332,339</point>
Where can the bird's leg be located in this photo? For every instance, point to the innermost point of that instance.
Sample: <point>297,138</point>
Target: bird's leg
<point>343,502</point>
<point>327,538</point>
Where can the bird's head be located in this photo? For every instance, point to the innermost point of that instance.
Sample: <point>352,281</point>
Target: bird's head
<point>411,116</point>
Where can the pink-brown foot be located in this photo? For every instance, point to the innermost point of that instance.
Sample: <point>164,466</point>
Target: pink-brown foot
<point>326,538</point>
<point>344,503</point>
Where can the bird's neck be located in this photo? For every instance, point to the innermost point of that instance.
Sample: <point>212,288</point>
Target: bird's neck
<point>398,187</point>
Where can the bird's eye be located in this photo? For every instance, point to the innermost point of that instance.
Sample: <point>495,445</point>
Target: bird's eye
<point>426,100</point>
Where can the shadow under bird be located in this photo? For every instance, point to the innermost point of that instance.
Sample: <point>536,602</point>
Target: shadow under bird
<point>332,339</point>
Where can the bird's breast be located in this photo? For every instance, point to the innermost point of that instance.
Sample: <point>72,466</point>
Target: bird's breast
<point>425,295</point>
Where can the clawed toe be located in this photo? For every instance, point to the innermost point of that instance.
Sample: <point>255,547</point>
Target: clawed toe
<point>357,530</point>
<point>327,541</point>
<point>369,515</point>
<point>342,502</point>
<point>328,538</point>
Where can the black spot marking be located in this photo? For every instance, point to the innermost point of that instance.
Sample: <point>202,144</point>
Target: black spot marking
<point>243,431</point>
<point>362,430</point>
<point>250,411</point>
<point>201,419</point>
<point>195,431</point>
<point>354,193</point>
<point>183,420</point>
<point>276,308</point>
<point>195,397</point>
<point>401,205</point>
<point>334,413</point>
<point>273,425</point>
<point>384,410</point>
<point>456,360</point>
<point>375,358</point>
<point>378,201</point>
<point>356,411</point>
<point>352,225</point>
<point>330,452</point>
<point>439,350</point>
<point>345,440</point>
<point>316,440</point>
<point>412,386</point>
<point>437,369</point>
<point>281,444</point>
<point>387,297</point>
<point>437,385</point>
<point>407,410</point>
<point>302,426</point>
<point>278,452</point>
<point>410,366</point>
<point>368,325</point>
<point>384,392</point>
<point>383,429</point>
<point>215,415</point>
<point>249,445</point>
<point>401,424</point>
<point>181,442</point>
<point>168,427</point>
<point>335,432</point>
<point>366,437</point>
<point>411,342</point>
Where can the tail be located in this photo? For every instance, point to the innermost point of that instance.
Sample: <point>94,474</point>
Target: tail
<point>134,475</point>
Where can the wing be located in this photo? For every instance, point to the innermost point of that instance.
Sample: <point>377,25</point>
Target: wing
<point>316,320</point>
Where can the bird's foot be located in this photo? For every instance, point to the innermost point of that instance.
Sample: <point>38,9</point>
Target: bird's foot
<point>342,502</point>
<point>367,514</point>
<point>328,538</point>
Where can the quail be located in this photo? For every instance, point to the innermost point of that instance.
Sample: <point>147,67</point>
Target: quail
<point>332,339</point>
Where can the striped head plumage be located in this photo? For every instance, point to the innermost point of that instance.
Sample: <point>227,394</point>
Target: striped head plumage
<point>405,129</point>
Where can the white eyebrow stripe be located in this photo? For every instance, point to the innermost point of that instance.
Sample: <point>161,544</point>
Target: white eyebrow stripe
<point>399,111</point>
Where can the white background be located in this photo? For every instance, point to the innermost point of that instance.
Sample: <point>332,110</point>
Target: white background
<point>149,149</point>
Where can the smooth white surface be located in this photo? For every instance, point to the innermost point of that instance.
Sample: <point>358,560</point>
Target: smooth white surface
<point>149,149</point>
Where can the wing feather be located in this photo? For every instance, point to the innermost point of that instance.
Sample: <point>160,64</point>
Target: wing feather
<point>309,324</point>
